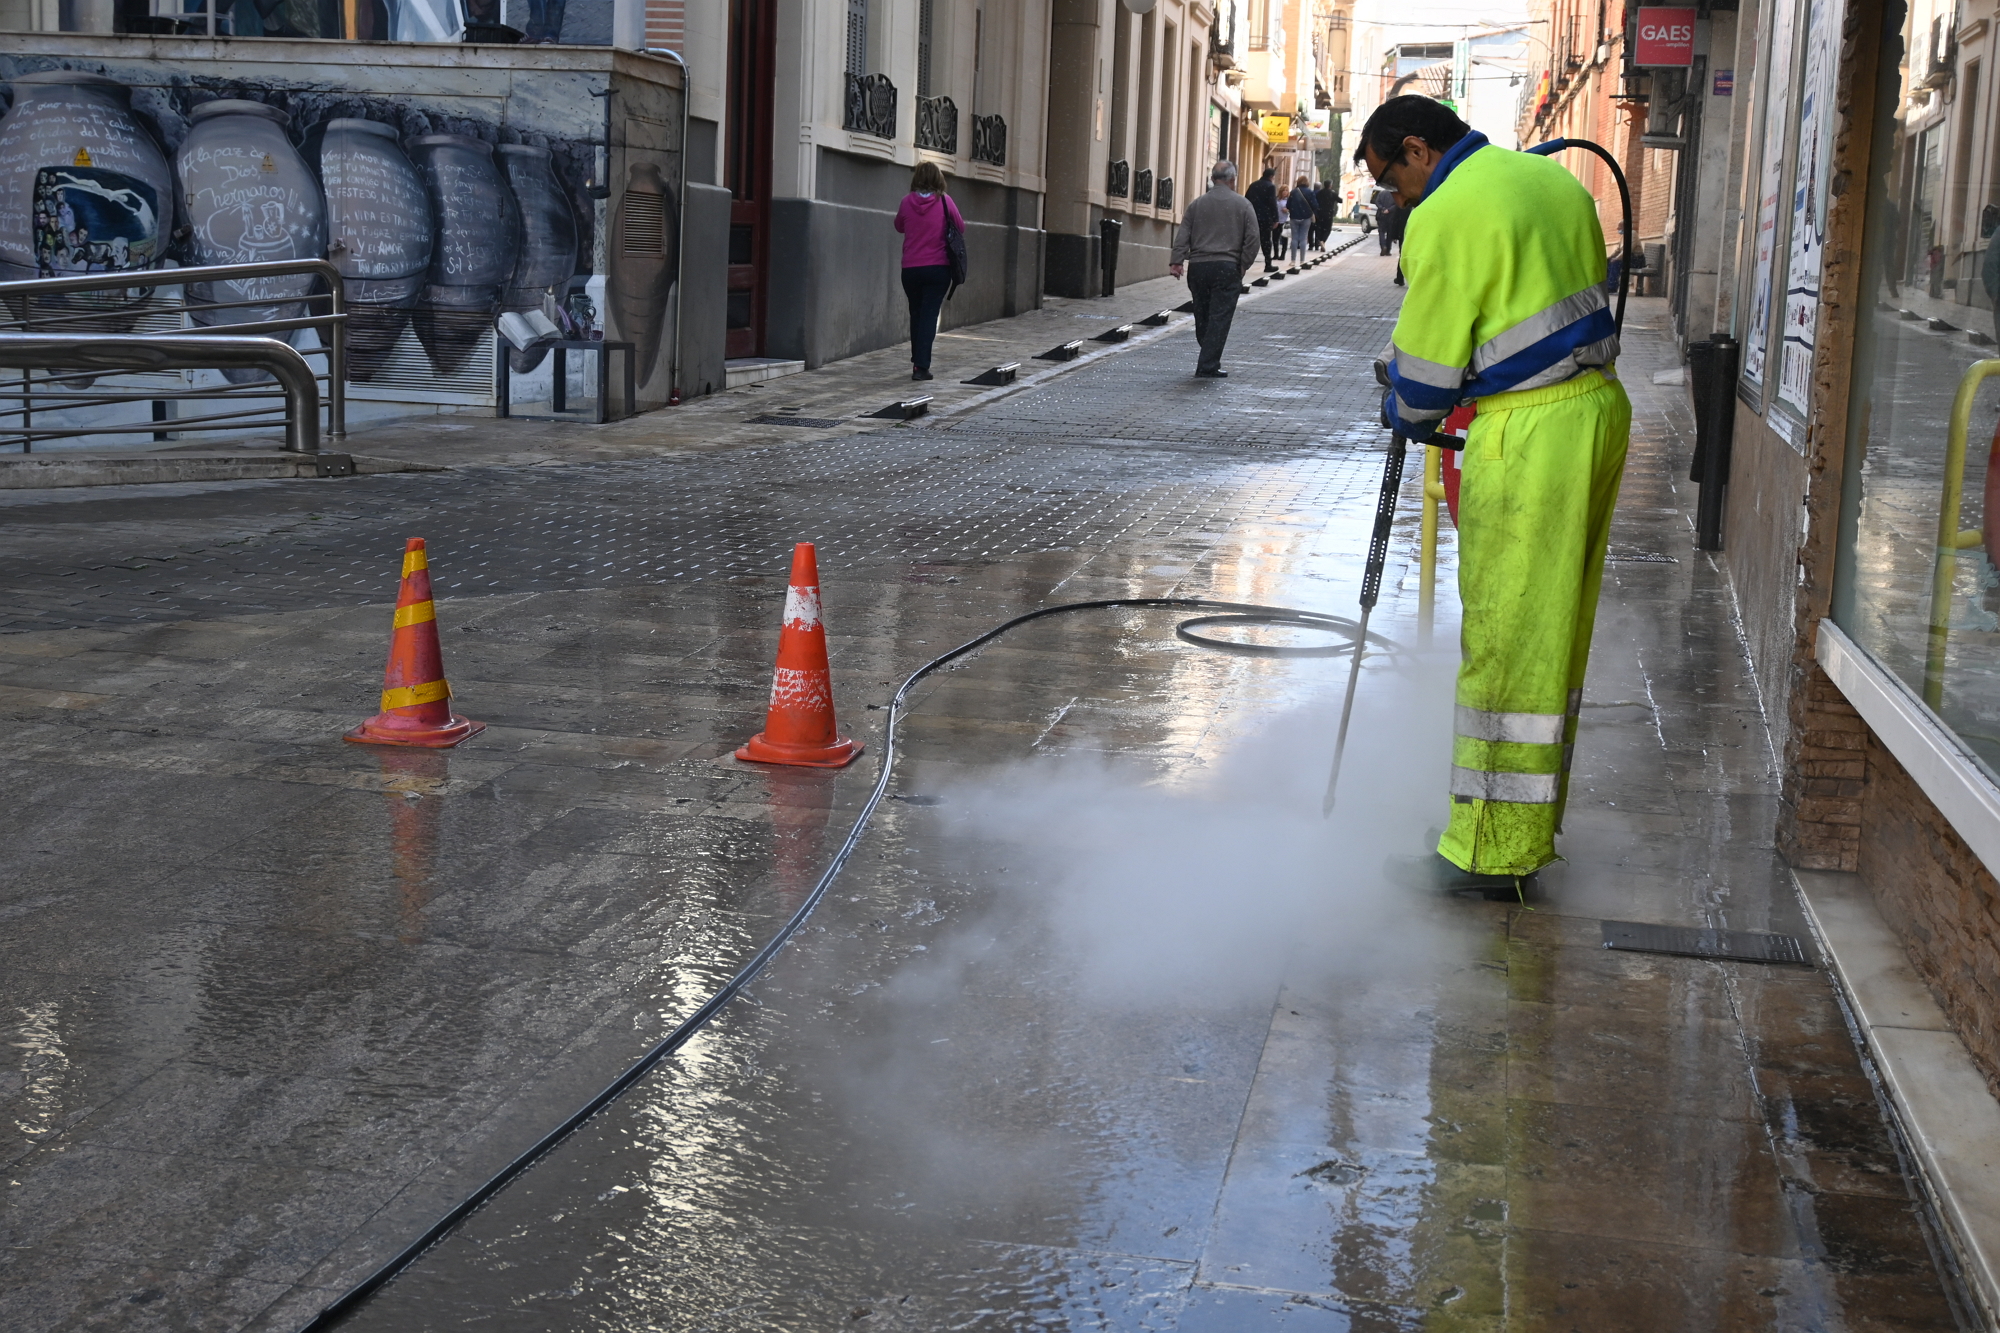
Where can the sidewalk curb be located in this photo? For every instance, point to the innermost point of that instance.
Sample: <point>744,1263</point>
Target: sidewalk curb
<point>950,414</point>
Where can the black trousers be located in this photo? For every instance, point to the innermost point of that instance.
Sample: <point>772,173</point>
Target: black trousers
<point>1214,284</point>
<point>926,286</point>
<point>1270,239</point>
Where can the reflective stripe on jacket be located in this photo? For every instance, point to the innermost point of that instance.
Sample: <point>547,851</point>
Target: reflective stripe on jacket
<point>1505,263</point>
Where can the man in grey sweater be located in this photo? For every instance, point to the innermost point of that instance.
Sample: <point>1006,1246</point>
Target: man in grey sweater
<point>1216,243</point>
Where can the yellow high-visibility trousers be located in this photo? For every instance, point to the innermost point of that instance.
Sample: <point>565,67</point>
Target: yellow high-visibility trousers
<point>1541,470</point>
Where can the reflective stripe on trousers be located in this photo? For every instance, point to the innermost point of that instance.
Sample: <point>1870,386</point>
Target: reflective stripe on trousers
<point>1541,470</point>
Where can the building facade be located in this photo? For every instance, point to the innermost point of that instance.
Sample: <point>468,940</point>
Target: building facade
<point>1127,137</point>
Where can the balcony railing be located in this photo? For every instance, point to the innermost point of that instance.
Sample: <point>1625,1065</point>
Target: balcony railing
<point>1163,194</point>
<point>937,125</point>
<point>989,140</point>
<point>1142,186</point>
<point>1120,183</point>
<point>871,105</point>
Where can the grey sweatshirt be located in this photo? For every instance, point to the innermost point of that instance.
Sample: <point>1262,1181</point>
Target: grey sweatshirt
<point>1221,225</point>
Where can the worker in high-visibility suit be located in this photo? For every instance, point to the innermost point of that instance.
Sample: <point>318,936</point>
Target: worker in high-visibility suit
<point>1506,266</point>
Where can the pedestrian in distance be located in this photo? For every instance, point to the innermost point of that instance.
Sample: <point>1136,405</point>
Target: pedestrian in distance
<point>1506,308</point>
<point>1326,203</point>
<point>1388,218</point>
<point>1303,208</point>
<point>1216,245</point>
<point>1263,198</point>
<point>1281,229</point>
<point>928,220</point>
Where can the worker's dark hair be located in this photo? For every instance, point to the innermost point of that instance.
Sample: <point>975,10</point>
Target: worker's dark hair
<point>1400,117</point>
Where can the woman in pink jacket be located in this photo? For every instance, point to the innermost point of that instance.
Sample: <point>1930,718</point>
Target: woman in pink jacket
<point>926,263</point>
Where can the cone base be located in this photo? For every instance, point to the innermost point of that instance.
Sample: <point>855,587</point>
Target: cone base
<point>378,730</point>
<point>838,754</point>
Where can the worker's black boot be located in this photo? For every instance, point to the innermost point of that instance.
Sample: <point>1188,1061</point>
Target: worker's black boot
<point>1434,874</point>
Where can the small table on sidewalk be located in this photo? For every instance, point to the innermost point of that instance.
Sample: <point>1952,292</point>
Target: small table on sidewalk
<point>503,376</point>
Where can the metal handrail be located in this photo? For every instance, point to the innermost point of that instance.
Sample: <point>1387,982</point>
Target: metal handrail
<point>112,353</point>
<point>332,325</point>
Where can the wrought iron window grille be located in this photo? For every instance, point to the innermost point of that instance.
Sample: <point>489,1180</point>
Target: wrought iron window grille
<point>871,105</point>
<point>989,140</point>
<point>1120,183</point>
<point>1163,193</point>
<point>1142,186</point>
<point>937,125</point>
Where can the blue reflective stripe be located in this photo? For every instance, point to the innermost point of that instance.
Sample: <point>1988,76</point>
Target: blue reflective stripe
<point>1424,397</point>
<point>1531,361</point>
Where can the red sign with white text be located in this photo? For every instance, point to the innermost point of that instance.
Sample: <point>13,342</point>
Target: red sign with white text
<point>1666,37</point>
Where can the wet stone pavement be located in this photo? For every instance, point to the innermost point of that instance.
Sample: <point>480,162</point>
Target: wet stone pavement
<point>1103,1027</point>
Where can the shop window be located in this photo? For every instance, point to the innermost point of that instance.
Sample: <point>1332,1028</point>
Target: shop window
<point>1915,583</point>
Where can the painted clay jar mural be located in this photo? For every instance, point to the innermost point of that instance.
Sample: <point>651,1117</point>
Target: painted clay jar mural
<point>548,240</point>
<point>645,244</point>
<point>475,243</point>
<point>83,188</point>
<point>378,226</point>
<point>248,198</point>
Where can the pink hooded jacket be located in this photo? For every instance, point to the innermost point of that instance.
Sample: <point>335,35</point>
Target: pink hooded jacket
<point>922,226</point>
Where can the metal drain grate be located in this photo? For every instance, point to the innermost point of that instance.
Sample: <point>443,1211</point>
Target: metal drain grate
<point>779,419</point>
<point>1744,946</point>
<point>1639,558</point>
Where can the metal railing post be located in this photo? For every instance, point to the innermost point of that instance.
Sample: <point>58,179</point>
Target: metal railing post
<point>19,298</point>
<point>116,353</point>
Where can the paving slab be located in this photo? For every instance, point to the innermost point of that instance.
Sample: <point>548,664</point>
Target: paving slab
<point>1104,1026</point>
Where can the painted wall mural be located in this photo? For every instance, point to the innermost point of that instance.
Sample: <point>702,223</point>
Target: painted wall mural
<point>450,229</point>
<point>84,188</point>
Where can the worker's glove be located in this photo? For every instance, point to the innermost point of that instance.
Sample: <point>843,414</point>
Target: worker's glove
<point>1416,433</point>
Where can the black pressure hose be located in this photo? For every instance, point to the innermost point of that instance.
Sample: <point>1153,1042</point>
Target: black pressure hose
<point>1238,613</point>
<point>1554,146</point>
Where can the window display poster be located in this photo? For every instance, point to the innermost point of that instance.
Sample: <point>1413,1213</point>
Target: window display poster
<point>1777,115</point>
<point>1809,201</point>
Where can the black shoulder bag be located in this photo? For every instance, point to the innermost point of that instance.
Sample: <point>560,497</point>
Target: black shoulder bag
<point>954,246</point>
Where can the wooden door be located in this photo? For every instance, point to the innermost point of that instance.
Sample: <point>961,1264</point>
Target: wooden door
<point>752,57</point>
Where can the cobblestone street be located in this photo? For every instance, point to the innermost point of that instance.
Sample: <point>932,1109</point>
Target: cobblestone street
<point>1104,1026</point>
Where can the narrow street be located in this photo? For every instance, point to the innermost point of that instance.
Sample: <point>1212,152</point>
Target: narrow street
<point>1103,1027</point>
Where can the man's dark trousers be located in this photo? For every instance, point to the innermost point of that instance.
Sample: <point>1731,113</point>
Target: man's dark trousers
<point>1214,284</point>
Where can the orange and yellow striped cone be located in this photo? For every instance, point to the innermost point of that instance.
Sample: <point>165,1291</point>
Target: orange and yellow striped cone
<point>416,701</point>
<point>799,726</point>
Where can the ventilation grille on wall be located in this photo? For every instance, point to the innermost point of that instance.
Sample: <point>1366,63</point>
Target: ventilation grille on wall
<point>408,375</point>
<point>643,219</point>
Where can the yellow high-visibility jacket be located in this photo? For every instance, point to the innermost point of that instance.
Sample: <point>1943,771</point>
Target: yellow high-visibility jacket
<point>1505,263</point>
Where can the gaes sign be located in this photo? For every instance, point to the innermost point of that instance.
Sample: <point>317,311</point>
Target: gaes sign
<point>1666,37</point>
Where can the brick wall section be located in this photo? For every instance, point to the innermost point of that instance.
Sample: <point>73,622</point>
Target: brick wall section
<point>1940,900</point>
<point>666,23</point>
<point>1826,766</point>
<point>1817,821</point>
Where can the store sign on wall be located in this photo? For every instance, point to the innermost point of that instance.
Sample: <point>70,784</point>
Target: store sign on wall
<point>1277,129</point>
<point>1666,37</point>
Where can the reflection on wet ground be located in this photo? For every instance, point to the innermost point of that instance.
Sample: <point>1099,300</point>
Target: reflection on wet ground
<point>1104,1027</point>
<point>1119,1034</point>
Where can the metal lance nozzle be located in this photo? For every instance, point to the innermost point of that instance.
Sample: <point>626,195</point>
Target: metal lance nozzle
<point>1371,588</point>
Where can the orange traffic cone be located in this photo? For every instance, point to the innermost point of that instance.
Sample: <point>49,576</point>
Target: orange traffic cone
<point>416,701</point>
<point>799,727</point>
